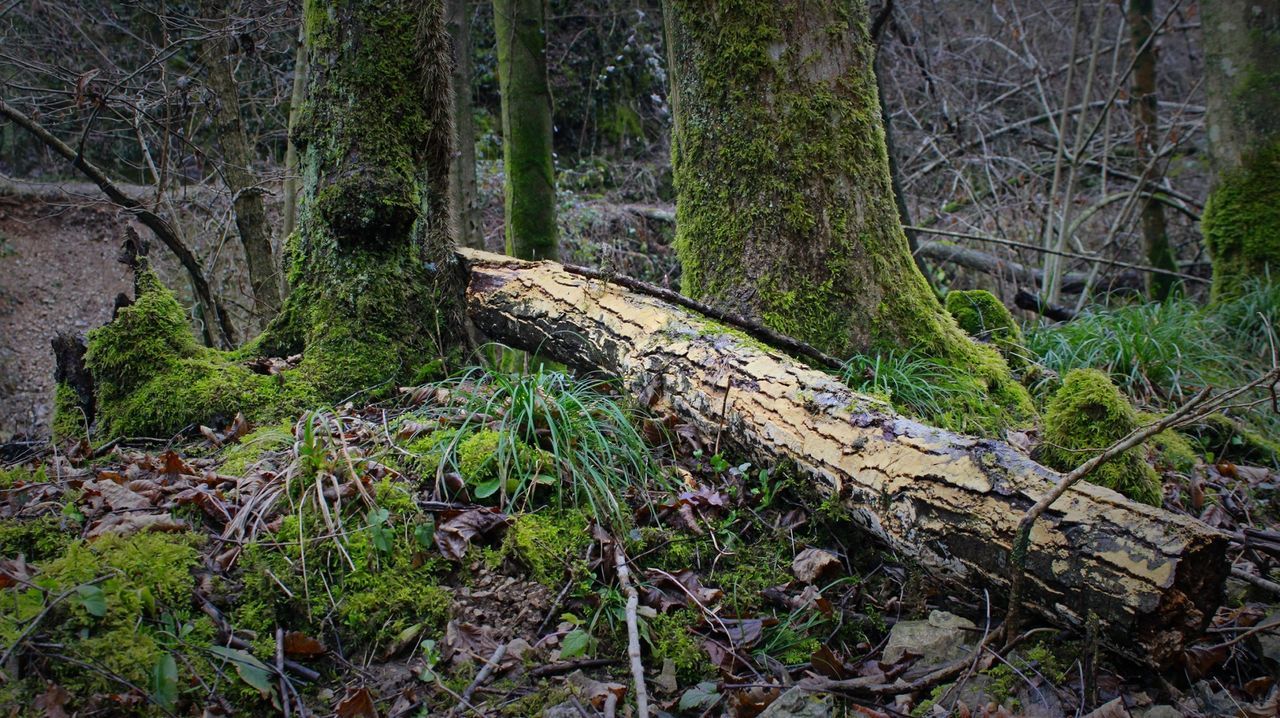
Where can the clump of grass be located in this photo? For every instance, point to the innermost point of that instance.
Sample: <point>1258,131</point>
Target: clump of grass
<point>917,385</point>
<point>1157,353</point>
<point>548,435</point>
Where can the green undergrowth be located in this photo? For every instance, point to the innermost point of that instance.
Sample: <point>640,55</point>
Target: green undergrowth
<point>985,318</point>
<point>374,582</point>
<point>118,612</point>
<point>531,439</point>
<point>1084,417</point>
<point>929,389</point>
<point>239,457</point>
<point>1159,354</point>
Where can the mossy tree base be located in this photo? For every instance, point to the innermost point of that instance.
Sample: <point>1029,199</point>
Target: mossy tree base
<point>785,208</point>
<point>376,289</point>
<point>952,502</point>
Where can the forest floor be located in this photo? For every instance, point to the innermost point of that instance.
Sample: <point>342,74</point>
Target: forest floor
<point>374,560</point>
<point>453,551</point>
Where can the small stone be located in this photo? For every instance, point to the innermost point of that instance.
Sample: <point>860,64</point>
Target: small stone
<point>799,703</point>
<point>942,637</point>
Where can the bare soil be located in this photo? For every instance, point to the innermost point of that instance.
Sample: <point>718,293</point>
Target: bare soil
<point>57,273</point>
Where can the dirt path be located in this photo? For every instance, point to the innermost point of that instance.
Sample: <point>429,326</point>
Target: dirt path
<point>57,273</point>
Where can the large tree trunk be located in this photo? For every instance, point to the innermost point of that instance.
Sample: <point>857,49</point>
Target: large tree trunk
<point>462,167</point>
<point>237,160</point>
<point>785,210</point>
<point>530,189</point>
<point>1155,239</point>
<point>376,289</point>
<point>952,502</point>
<point>1241,221</point>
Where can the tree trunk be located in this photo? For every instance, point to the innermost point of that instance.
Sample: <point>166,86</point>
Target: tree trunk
<point>289,214</point>
<point>237,161</point>
<point>1241,221</point>
<point>785,209</point>
<point>376,296</point>
<point>530,188</point>
<point>462,167</point>
<point>1155,240</point>
<point>951,502</point>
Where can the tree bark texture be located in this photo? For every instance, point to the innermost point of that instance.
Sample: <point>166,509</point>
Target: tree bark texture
<point>951,502</point>
<point>462,167</point>
<point>1241,221</point>
<point>530,188</point>
<point>1155,240</point>
<point>374,280</point>
<point>785,209</point>
<point>246,194</point>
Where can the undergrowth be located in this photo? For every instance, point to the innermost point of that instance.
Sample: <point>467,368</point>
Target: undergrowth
<point>541,437</point>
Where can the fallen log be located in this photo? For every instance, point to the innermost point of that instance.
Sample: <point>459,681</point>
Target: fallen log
<point>950,502</point>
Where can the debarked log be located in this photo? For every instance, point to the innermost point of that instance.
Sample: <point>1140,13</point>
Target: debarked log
<point>1152,578</point>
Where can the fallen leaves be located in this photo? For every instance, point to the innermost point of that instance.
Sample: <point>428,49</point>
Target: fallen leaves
<point>457,529</point>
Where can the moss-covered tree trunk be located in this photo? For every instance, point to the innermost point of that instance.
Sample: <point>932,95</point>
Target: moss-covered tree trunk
<point>530,189</point>
<point>1155,239</point>
<point>237,160</point>
<point>1241,221</point>
<point>376,293</point>
<point>462,170</point>
<point>785,210</point>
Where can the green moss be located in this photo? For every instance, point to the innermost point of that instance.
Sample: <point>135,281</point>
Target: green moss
<point>548,542</point>
<point>368,596</point>
<point>1241,222</point>
<point>22,475</point>
<point>141,578</point>
<point>984,317</point>
<point>69,422</point>
<point>535,703</point>
<point>1007,677</point>
<point>36,539</point>
<point>375,292</point>
<point>1169,449</point>
<point>672,637</point>
<point>240,456</point>
<point>1232,438</point>
<point>1083,418</point>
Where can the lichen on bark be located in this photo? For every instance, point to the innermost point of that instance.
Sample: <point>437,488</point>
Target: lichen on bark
<point>376,290</point>
<point>785,209</point>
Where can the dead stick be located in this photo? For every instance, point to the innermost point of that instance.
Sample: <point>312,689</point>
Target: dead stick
<point>284,686</point>
<point>633,631</point>
<point>1262,583</point>
<point>485,671</point>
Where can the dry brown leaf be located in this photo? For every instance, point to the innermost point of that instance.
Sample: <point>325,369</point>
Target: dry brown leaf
<point>127,524</point>
<point>814,565</point>
<point>300,645</point>
<point>357,703</point>
<point>52,701</point>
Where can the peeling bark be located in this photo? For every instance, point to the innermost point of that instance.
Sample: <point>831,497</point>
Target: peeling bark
<point>951,502</point>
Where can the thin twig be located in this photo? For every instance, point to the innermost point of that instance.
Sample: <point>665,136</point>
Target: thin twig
<point>633,631</point>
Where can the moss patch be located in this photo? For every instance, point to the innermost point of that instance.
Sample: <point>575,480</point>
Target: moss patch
<point>551,543</point>
<point>984,317</point>
<point>1085,416</point>
<point>1241,221</point>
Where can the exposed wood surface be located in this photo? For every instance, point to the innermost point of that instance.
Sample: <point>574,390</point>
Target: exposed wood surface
<point>950,502</point>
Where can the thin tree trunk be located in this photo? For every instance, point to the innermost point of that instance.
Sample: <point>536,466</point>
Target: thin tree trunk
<point>1241,221</point>
<point>785,206</point>
<point>530,190</point>
<point>296,98</point>
<point>462,167</point>
<point>237,161</point>
<point>1155,240</point>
